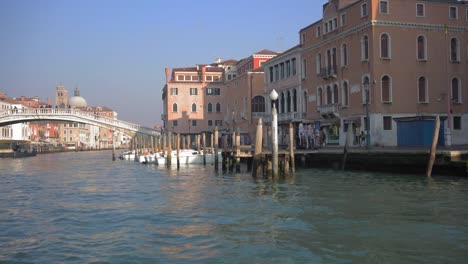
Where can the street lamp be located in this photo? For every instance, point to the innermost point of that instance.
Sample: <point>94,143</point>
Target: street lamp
<point>366,89</point>
<point>274,128</point>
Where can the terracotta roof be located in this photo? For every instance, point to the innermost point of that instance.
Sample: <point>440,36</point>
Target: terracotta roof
<point>267,52</point>
<point>229,62</point>
<point>259,69</point>
<point>214,69</point>
<point>187,69</point>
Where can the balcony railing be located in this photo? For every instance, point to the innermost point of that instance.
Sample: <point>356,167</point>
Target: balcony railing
<point>328,72</point>
<point>282,117</point>
<point>329,109</point>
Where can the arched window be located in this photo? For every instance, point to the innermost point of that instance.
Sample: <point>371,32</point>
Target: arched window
<point>334,57</point>
<point>344,55</point>
<point>294,100</point>
<point>318,63</point>
<point>328,58</point>
<point>304,105</point>
<point>320,96</point>
<point>345,94</point>
<point>365,48</point>
<point>174,108</point>
<point>282,103</point>
<point>194,107</point>
<point>258,104</point>
<point>210,107</point>
<point>454,50</point>
<point>422,49</point>
<point>288,102</point>
<point>456,90</point>
<point>385,46</point>
<point>422,89</point>
<point>218,107</point>
<point>335,94</point>
<point>329,95</point>
<point>386,89</point>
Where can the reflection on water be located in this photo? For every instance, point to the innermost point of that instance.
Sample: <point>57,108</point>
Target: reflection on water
<point>82,207</point>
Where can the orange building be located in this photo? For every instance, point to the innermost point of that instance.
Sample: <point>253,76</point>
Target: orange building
<point>408,58</point>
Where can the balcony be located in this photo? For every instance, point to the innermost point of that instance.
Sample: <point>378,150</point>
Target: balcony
<point>287,117</point>
<point>330,110</point>
<point>328,72</point>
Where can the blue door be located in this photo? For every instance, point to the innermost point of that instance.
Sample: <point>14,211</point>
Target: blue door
<point>418,133</point>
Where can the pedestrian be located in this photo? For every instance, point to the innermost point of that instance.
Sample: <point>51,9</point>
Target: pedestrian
<point>362,138</point>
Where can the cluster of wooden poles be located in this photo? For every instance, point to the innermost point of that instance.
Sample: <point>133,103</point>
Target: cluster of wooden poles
<point>259,163</point>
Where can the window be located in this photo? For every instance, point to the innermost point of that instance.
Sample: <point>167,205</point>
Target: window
<point>457,123</point>
<point>420,10</point>
<point>385,46</point>
<point>288,68</point>
<point>175,123</point>
<point>335,94</point>
<point>364,10</point>
<point>293,62</point>
<point>209,91</point>
<point>421,46</point>
<point>194,107</point>
<point>258,104</point>
<point>344,55</point>
<point>383,7</point>
<point>456,90</point>
<point>218,122</point>
<point>329,95</point>
<point>271,74</point>
<point>218,108</point>
<point>188,78</point>
<point>303,38</point>
<point>193,91</point>
<point>282,70</point>
<point>386,89</point>
<point>209,78</point>
<point>217,91</point>
<point>453,12</point>
<point>210,107</point>
<point>210,122</point>
<point>319,97</point>
<point>387,123</point>
<point>174,108</point>
<point>174,91</point>
<point>194,123</point>
<point>365,48</point>
<point>335,23</point>
<point>345,94</point>
<point>454,50</point>
<point>318,31</point>
<point>276,73</point>
<point>326,27</point>
<point>422,89</point>
<point>180,77</point>
<point>466,16</point>
<point>304,69</point>
<point>318,63</point>
<point>343,19</point>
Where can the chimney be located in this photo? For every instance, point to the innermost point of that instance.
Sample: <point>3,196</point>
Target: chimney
<point>203,72</point>
<point>22,98</point>
<point>168,75</point>
<point>49,101</point>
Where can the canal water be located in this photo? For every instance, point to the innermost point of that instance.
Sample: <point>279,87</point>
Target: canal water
<point>84,208</point>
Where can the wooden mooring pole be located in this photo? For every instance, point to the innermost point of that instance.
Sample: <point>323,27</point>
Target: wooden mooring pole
<point>257,166</point>
<point>216,148</point>
<point>204,148</point>
<point>169,149</point>
<point>178,150</point>
<point>291,149</point>
<point>434,147</point>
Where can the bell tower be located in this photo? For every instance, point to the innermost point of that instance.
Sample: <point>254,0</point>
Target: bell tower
<point>61,97</point>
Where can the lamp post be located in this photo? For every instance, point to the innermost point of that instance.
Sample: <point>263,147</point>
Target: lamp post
<point>274,133</point>
<point>366,89</point>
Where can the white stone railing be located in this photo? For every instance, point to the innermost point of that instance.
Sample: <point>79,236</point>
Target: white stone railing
<point>74,115</point>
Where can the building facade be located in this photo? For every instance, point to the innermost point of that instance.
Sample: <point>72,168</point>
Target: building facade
<point>388,67</point>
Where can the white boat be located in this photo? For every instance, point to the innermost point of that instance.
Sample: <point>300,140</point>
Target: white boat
<point>127,155</point>
<point>186,156</point>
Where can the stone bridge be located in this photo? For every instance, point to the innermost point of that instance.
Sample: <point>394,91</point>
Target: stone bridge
<point>13,116</point>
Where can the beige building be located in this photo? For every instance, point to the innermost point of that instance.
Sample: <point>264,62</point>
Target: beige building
<point>410,58</point>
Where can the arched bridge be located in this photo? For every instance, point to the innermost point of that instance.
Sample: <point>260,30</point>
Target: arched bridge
<point>13,116</point>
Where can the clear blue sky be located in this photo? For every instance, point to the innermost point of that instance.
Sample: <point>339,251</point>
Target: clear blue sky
<point>116,50</point>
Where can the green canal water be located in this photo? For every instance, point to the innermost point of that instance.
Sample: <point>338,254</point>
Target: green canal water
<point>84,208</point>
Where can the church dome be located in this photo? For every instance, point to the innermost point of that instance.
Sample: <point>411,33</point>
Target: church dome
<point>77,101</point>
